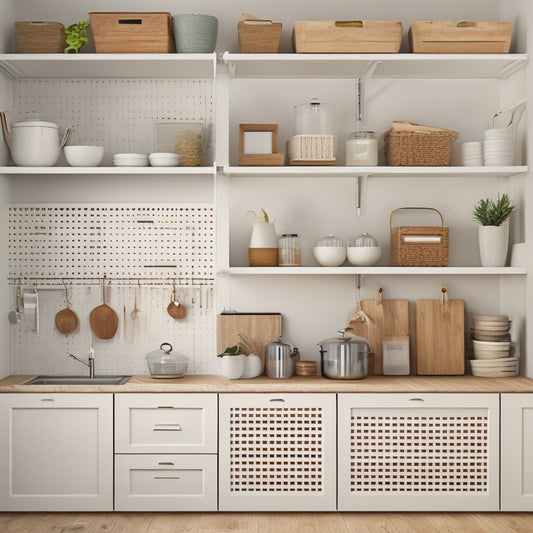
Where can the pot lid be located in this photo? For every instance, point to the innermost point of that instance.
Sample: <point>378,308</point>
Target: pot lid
<point>34,123</point>
<point>345,340</point>
<point>165,354</point>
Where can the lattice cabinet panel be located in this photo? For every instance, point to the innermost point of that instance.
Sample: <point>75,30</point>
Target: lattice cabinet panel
<point>277,452</point>
<point>435,452</point>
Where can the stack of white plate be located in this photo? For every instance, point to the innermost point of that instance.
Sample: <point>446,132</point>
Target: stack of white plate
<point>498,147</point>
<point>164,159</point>
<point>472,154</point>
<point>490,349</point>
<point>491,327</point>
<point>130,160</point>
<point>495,368</point>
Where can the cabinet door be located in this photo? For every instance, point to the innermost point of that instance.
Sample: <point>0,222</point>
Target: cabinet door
<point>277,452</point>
<point>166,482</point>
<point>56,452</point>
<point>423,452</point>
<point>516,454</point>
<point>166,423</point>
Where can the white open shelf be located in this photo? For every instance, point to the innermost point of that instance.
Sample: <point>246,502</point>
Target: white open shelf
<point>373,270</point>
<point>156,66</point>
<point>464,66</point>
<point>184,171</point>
<point>348,171</point>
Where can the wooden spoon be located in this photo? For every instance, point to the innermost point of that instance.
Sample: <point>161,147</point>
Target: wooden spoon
<point>66,320</point>
<point>175,309</point>
<point>103,320</point>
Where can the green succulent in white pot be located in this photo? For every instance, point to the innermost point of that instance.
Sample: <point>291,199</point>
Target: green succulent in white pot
<point>493,216</point>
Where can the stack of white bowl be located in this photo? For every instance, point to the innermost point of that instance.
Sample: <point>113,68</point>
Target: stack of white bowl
<point>492,345</point>
<point>164,159</point>
<point>130,160</point>
<point>472,154</point>
<point>498,147</point>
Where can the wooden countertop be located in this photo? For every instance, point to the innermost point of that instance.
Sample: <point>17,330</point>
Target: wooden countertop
<point>219,384</point>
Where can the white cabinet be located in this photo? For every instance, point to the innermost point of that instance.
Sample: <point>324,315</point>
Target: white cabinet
<point>56,452</point>
<point>166,447</point>
<point>418,452</point>
<point>277,452</point>
<point>516,455</point>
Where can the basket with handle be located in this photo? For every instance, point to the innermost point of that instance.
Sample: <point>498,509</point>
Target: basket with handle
<point>425,246</point>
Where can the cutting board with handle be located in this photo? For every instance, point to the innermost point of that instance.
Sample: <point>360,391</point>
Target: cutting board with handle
<point>386,318</point>
<point>254,329</point>
<point>440,331</point>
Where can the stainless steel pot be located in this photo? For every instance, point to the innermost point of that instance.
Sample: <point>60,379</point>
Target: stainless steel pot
<point>344,358</point>
<point>281,359</point>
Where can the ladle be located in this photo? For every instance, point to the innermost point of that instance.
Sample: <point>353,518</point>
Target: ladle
<point>66,320</point>
<point>103,319</point>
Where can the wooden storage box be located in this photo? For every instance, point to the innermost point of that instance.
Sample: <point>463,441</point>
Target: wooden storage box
<point>40,37</point>
<point>346,36</point>
<point>259,36</point>
<point>424,246</point>
<point>410,144</point>
<point>124,32</point>
<point>460,37</point>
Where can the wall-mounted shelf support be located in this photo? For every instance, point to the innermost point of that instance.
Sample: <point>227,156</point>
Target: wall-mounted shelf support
<point>360,182</point>
<point>360,92</point>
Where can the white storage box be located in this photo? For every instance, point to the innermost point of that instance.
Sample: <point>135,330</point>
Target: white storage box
<point>312,149</point>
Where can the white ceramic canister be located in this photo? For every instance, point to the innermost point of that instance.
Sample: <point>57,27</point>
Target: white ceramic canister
<point>362,149</point>
<point>35,144</point>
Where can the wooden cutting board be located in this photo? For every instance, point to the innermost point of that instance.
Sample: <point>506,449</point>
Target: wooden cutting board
<point>388,318</point>
<point>259,328</point>
<point>440,330</point>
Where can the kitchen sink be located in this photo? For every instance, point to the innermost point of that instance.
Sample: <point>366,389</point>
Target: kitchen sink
<point>77,380</point>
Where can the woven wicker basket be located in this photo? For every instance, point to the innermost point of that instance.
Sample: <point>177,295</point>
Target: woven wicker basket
<point>424,148</point>
<point>40,37</point>
<point>425,246</point>
<point>259,36</point>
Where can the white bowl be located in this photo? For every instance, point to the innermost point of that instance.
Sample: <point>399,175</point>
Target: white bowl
<point>163,159</point>
<point>330,256</point>
<point>494,318</point>
<point>84,156</point>
<point>130,160</point>
<point>363,255</point>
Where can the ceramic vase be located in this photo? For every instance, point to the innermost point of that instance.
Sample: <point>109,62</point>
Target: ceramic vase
<point>232,366</point>
<point>263,249</point>
<point>493,244</point>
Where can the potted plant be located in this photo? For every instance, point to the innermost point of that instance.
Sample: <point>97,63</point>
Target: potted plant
<point>493,217</point>
<point>232,362</point>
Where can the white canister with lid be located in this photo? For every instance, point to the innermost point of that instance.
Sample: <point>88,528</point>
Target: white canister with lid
<point>330,251</point>
<point>362,149</point>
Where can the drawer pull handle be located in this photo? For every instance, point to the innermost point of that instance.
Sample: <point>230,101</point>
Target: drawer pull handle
<point>277,400</point>
<point>166,477</point>
<point>169,463</point>
<point>416,399</point>
<point>47,400</point>
<point>167,427</point>
<point>165,407</point>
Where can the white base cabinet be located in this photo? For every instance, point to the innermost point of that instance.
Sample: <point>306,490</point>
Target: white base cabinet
<point>516,452</point>
<point>56,452</point>
<point>166,446</point>
<point>277,452</point>
<point>423,452</point>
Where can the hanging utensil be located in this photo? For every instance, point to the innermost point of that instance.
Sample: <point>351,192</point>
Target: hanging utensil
<point>103,319</point>
<point>66,320</point>
<point>174,308</point>
<point>135,313</point>
<point>15,316</point>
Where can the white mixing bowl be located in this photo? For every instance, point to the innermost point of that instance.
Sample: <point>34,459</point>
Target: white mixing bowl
<point>84,156</point>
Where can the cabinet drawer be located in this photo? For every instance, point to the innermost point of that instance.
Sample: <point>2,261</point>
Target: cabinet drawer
<point>165,483</point>
<point>165,423</point>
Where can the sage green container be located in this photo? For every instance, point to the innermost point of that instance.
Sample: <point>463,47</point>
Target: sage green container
<point>195,33</point>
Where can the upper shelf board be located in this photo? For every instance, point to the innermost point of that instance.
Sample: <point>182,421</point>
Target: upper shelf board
<point>387,66</point>
<point>149,66</point>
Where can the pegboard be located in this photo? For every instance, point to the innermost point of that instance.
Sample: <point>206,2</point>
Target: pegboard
<point>120,114</point>
<point>123,241</point>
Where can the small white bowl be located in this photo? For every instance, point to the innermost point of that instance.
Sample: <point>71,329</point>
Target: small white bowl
<point>84,156</point>
<point>363,255</point>
<point>330,256</point>
<point>163,159</point>
<point>130,160</point>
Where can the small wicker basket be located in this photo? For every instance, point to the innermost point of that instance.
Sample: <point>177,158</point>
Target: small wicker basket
<point>259,36</point>
<point>425,246</point>
<point>409,144</point>
<point>40,37</point>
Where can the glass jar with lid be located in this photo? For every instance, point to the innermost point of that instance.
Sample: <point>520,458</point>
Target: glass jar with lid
<point>363,250</point>
<point>330,251</point>
<point>362,148</point>
<point>289,250</point>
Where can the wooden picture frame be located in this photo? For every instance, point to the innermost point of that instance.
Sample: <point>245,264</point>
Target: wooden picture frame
<point>258,145</point>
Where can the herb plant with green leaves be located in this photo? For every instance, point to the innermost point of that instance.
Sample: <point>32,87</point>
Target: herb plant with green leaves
<point>490,212</point>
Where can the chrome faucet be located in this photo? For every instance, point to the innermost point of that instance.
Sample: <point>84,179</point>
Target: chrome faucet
<point>89,362</point>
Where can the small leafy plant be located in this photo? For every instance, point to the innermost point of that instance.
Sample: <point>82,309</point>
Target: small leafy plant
<point>231,350</point>
<point>76,36</point>
<point>489,212</point>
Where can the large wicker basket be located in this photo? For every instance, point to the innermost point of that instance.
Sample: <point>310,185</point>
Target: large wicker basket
<point>409,144</point>
<point>425,246</point>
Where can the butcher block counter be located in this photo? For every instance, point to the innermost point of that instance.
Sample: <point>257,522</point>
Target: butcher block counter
<point>219,384</point>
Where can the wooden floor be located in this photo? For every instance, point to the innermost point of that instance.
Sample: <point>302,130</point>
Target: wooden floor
<point>266,522</point>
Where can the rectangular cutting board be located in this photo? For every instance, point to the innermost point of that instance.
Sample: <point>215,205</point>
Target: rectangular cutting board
<point>440,337</point>
<point>261,328</point>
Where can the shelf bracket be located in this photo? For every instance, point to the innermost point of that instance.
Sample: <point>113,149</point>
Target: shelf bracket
<point>360,92</point>
<point>360,182</point>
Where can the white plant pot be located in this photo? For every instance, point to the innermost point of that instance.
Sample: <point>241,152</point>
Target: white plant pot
<point>232,366</point>
<point>493,244</point>
<point>263,235</point>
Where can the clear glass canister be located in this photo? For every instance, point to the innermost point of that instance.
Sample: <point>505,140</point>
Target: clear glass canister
<point>362,148</point>
<point>315,118</point>
<point>289,250</point>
